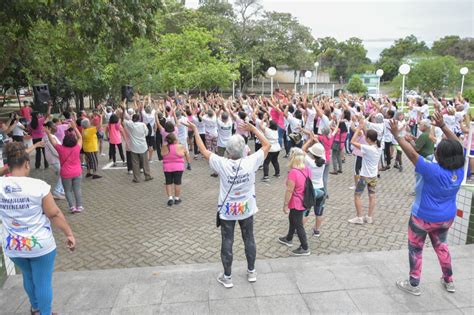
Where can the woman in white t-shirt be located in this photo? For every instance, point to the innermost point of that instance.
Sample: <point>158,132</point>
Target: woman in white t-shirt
<point>26,209</point>
<point>315,160</point>
<point>271,133</point>
<point>368,173</point>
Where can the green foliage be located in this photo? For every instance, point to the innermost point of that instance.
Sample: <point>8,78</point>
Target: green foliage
<point>435,74</point>
<point>462,49</point>
<point>356,85</point>
<point>390,58</point>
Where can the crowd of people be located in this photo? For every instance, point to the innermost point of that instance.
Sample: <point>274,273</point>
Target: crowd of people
<point>316,135</point>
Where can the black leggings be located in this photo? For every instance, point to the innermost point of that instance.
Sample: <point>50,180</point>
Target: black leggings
<point>40,151</point>
<point>271,157</point>
<point>227,232</point>
<point>296,223</point>
<point>388,156</point>
<point>203,138</point>
<point>112,152</point>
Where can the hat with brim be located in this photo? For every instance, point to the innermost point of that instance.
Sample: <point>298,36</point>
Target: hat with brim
<point>317,149</point>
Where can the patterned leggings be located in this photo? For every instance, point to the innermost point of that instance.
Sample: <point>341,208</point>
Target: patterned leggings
<point>417,231</point>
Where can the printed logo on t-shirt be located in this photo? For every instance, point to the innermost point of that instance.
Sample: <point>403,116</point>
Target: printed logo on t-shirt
<point>236,208</point>
<point>8,189</point>
<point>20,243</point>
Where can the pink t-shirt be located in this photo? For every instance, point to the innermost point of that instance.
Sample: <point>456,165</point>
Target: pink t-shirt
<point>70,161</point>
<point>61,130</point>
<point>38,133</point>
<point>327,143</point>
<point>277,117</point>
<point>114,133</point>
<point>298,176</point>
<point>25,112</point>
<point>96,123</point>
<point>358,152</point>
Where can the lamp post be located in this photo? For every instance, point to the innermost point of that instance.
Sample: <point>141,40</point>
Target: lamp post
<point>315,87</point>
<point>379,74</point>
<point>308,75</point>
<point>233,90</point>
<point>403,70</point>
<point>463,72</point>
<point>271,72</point>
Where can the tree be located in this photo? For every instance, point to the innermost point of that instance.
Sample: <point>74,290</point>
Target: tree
<point>356,85</point>
<point>390,58</point>
<point>435,74</point>
<point>462,49</point>
<point>185,62</point>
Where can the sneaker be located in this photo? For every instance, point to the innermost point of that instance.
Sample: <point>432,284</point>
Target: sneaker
<point>400,168</point>
<point>301,252</point>
<point>286,156</point>
<point>265,179</point>
<point>340,172</point>
<point>352,187</point>
<point>405,285</point>
<point>59,197</point>
<point>177,201</point>
<point>170,202</point>
<point>356,220</point>
<point>368,220</point>
<point>88,175</point>
<point>316,233</point>
<point>252,276</point>
<point>130,172</point>
<point>260,167</point>
<point>449,286</point>
<point>284,241</point>
<point>141,171</point>
<point>73,209</point>
<point>214,175</point>
<point>114,165</point>
<point>148,179</point>
<point>276,175</point>
<point>96,176</point>
<point>79,209</point>
<point>334,173</point>
<point>102,154</point>
<point>188,167</point>
<point>413,194</point>
<point>226,282</point>
<point>396,166</point>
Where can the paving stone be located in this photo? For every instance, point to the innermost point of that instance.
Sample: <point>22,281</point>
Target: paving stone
<point>188,289</point>
<point>136,310</point>
<point>334,302</point>
<point>275,284</point>
<point>282,304</point>
<point>243,306</point>
<point>376,300</point>
<point>140,293</point>
<point>198,308</point>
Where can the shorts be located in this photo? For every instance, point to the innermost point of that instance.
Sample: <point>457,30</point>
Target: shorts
<point>358,165</point>
<point>173,178</point>
<point>190,134</point>
<point>220,151</point>
<point>320,195</point>
<point>100,135</point>
<point>151,142</point>
<point>371,183</point>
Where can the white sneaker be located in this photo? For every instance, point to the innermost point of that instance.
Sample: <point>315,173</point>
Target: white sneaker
<point>356,220</point>
<point>352,187</point>
<point>252,276</point>
<point>368,220</point>
<point>449,286</point>
<point>226,282</point>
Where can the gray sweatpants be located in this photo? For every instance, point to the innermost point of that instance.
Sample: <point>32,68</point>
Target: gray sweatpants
<point>72,186</point>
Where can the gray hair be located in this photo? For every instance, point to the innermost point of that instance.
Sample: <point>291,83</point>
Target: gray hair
<point>379,118</point>
<point>325,131</point>
<point>148,109</point>
<point>178,114</point>
<point>235,147</point>
<point>426,123</point>
<point>85,123</point>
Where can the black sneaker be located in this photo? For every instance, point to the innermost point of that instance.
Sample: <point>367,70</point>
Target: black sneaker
<point>188,167</point>
<point>88,175</point>
<point>177,201</point>
<point>316,233</point>
<point>339,171</point>
<point>170,202</point>
<point>276,175</point>
<point>301,252</point>
<point>265,179</point>
<point>284,241</point>
<point>214,175</point>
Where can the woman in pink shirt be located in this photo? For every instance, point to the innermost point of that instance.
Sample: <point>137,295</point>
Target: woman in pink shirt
<point>295,186</point>
<point>174,155</point>
<point>36,130</point>
<point>327,138</point>
<point>71,170</point>
<point>115,131</point>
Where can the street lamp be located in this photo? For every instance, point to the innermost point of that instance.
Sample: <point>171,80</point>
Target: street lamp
<point>315,87</point>
<point>463,72</point>
<point>379,73</point>
<point>308,75</point>
<point>404,70</point>
<point>271,72</point>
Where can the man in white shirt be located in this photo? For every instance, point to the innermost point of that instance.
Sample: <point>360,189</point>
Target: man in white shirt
<point>137,132</point>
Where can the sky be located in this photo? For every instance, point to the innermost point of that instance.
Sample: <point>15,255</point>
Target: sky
<point>379,22</point>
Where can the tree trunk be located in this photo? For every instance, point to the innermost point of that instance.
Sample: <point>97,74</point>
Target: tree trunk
<point>4,93</point>
<point>81,101</point>
<point>18,97</point>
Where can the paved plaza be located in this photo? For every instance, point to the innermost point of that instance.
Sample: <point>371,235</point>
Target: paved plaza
<point>129,225</point>
<point>332,284</point>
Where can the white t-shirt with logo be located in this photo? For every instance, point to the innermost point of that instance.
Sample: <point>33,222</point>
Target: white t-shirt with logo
<point>370,160</point>
<point>316,172</point>
<point>224,132</point>
<point>272,137</point>
<point>26,229</point>
<point>241,202</point>
<point>210,124</point>
<point>182,129</point>
<point>150,119</point>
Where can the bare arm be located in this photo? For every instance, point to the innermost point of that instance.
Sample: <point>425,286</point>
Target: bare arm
<point>52,211</point>
<point>265,143</point>
<point>290,187</point>
<point>404,144</point>
<point>439,122</point>
<point>202,148</point>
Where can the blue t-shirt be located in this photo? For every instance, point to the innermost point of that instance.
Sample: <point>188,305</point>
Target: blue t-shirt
<point>436,191</point>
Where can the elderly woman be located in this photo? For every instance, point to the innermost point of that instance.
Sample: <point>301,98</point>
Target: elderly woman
<point>237,201</point>
<point>90,146</point>
<point>27,209</point>
<point>434,208</point>
<point>173,154</point>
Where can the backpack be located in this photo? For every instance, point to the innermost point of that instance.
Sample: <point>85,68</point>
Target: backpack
<point>309,197</point>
